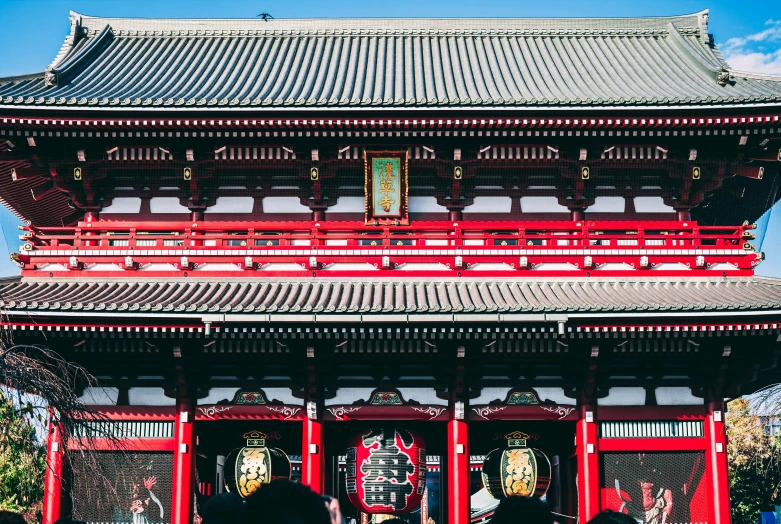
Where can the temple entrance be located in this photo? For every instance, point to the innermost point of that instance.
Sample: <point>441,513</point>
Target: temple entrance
<point>217,440</point>
<point>418,441</point>
<point>555,440</point>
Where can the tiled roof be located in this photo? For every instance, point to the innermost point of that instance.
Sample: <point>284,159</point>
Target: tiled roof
<point>388,63</point>
<point>401,296</point>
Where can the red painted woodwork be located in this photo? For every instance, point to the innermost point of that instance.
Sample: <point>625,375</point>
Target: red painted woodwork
<point>182,503</point>
<point>247,412</point>
<point>716,463</point>
<point>55,459</point>
<point>369,412</point>
<point>528,412</point>
<point>652,444</point>
<point>653,413</point>
<point>139,413</point>
<point>458,495</point>
<point>588,464</point>
<point>76,324</point>
<point>312,455</point>
<point>456,246</point>
<point>128,445</point>
<point>664,121</point>
<point>678,327</point>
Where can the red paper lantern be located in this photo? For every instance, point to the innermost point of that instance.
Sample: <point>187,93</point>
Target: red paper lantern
<point>386,471</point>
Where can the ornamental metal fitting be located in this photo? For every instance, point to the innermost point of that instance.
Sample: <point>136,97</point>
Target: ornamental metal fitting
<point>311,410</point>
<point>459,410</point>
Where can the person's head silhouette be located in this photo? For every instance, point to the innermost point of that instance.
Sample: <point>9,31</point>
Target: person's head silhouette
<point>611,517</point>
<point>286,502</point>
<point>225,508</point>
<point>522,510</point>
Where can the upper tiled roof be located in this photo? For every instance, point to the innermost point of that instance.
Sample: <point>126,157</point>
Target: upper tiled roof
<point>388,63</point>
<point>607,296</point>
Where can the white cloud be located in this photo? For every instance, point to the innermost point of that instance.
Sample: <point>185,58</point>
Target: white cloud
<point>759,52</point>
<point>756,62</point>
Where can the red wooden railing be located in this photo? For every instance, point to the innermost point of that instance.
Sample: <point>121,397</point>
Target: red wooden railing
<point>427,247</point>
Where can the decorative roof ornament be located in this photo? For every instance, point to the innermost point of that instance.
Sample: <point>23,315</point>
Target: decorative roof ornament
<point>704,18</point>
<point>49,78</point>
<point>722,76</point>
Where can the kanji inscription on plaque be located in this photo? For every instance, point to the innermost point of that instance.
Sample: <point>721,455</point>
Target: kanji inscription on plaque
<point>386,187</point>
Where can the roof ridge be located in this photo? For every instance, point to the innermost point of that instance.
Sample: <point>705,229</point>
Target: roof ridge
<point>27,76</point>
<point>77,60</point>
<point>754,76</point>
<point>689,21</point>
<point>676,38</point>
<point>70,41</point>
<point>775,281</point>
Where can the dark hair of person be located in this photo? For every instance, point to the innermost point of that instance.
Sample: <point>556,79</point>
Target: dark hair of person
<point>285,502</point>
<point>529,510</point>
<point>225,508</point>
<point>609,516</point>
<point>9,517</point>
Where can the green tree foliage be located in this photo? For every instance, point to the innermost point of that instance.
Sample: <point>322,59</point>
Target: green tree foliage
<point>22,459</point>
<point>754,467</point>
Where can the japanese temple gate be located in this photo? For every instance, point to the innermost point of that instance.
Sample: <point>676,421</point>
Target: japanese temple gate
<point>474,231</point>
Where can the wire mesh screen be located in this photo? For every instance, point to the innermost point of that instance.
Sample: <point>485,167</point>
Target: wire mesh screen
<point>136,488</point>
<point>656,488</point>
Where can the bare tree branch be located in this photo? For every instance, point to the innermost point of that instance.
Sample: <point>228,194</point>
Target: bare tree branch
<point>45,387</point>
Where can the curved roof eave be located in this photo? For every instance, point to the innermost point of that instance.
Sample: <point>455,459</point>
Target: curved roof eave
<point>428,109</point>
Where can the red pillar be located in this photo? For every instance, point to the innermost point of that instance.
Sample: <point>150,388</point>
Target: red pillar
<point>52,490</point>
<point>588,463</point>
<point>716,464</point>
<point>458,472</point>
<point>312,456</point>
<point>183,496</point>
<point>90,217</point>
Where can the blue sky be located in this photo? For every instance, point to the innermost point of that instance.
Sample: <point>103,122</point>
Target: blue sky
<point>748,33</point>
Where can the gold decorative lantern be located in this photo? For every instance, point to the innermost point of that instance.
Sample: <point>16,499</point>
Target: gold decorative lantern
<point>516,471</point>
<point>248,468</point>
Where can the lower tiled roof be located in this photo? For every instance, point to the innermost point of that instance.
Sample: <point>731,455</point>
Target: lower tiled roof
<point>399,296</point>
